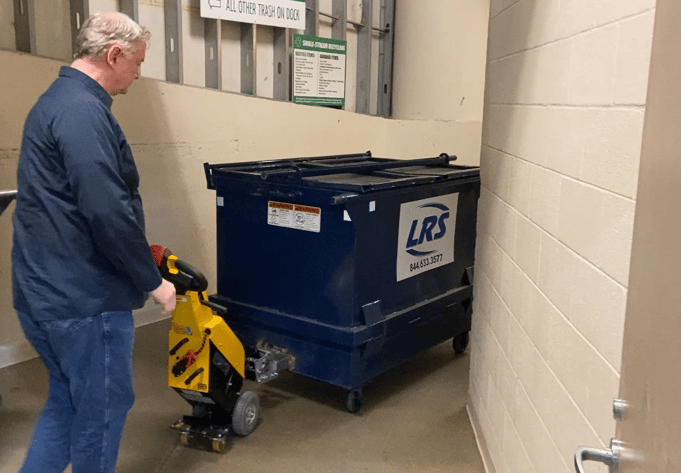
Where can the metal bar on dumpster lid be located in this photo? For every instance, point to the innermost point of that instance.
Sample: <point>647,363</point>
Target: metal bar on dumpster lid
<point>357,168</point>
<point>315,160</point>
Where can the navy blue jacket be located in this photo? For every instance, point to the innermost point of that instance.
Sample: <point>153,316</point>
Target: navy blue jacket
<point>79,245</point>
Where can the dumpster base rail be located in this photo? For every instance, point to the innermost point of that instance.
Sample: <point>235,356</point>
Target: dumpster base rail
<point>348,357</point>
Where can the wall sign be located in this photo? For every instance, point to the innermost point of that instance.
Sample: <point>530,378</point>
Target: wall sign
<point>318,70</point>
<point>282,13</point>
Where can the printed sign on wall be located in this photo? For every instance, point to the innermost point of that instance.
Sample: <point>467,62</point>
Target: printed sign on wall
<point>282,13</point>
<point>318,70</point>
<point>426,235</point>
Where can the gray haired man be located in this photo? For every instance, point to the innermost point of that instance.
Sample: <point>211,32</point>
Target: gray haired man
<point>80,259</point>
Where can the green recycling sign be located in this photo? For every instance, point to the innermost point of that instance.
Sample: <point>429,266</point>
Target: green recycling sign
<point>318,70</point>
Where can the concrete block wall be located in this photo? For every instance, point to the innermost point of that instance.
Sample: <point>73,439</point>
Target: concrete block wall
<point>564,104</point>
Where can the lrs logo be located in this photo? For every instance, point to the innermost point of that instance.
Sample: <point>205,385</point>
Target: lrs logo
<point>426,229</point>
<point>426,235</point>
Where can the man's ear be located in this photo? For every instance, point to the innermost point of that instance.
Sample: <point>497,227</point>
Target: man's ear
<point>113,54</point>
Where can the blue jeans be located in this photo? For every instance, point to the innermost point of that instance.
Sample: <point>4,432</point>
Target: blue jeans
<point>89,362</point>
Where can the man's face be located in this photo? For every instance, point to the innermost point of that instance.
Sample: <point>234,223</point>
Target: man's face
<point>127,69</point>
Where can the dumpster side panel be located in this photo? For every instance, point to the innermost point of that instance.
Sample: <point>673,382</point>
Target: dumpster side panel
<point>377,250</point>
<point>299,272</point>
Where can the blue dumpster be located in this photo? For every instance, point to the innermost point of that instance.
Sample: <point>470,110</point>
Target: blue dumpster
<point>349,264</point>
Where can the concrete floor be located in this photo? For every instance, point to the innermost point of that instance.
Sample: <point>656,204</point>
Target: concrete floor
<point>413,419</point>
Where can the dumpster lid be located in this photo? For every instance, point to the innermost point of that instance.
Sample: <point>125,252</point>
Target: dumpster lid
<point>350,172</point>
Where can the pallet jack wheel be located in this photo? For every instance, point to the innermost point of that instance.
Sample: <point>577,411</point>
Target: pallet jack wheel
<point>204,441</point>
<point>355,399</point>
<point>460,343</point>
<point>245,413</point>
<point>219,444</point>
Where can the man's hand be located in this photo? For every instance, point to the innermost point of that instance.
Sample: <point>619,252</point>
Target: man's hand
<point>165,295</point>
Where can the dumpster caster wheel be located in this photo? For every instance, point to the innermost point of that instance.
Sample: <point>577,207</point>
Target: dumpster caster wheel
<point>460,342</point>
<point>184,439</point>
<point>245,413</point>
<point>354,400</point>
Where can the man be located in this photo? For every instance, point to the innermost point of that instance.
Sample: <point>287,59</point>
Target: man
<point>80,260</point>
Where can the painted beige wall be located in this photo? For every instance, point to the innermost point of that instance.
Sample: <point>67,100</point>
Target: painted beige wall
<point>565,97</point>
<point>439,59</point>
<point>174,129</point>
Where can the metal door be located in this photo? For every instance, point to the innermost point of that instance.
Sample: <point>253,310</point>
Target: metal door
<point>649,415</point>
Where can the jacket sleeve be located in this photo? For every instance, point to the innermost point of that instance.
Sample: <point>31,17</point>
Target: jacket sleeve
<point>90,145</point>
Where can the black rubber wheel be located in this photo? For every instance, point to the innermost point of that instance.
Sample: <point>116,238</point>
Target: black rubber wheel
<point>245,413</point>
<point>460,343</point>
<point>354,400</point>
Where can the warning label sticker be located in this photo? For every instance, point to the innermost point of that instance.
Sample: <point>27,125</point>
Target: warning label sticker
<point>300,217</point>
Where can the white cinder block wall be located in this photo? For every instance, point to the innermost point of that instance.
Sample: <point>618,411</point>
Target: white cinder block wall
<point>565,98</point>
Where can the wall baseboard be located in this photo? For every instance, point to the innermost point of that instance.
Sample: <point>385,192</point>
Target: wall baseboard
<point>16,353</point>
<point>149,314</point>
<point>22,350</point>
<point>482,445</point>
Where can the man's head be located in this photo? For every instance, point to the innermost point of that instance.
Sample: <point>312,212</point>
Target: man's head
<point>110,48</point>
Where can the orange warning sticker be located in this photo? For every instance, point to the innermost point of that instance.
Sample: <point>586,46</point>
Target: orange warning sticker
<point>299,217</point>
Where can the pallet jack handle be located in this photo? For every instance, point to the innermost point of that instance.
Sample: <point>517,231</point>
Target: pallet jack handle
<point>183,275</point>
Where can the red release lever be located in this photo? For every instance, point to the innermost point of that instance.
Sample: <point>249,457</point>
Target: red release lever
<point>159,252</point>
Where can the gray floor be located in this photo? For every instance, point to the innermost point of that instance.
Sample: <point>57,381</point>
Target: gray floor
<point>413,419</point>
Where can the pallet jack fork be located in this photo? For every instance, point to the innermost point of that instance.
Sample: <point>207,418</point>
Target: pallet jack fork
<point>207,362</point>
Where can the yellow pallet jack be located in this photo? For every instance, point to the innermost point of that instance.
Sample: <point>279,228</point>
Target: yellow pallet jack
<point>207,363</point>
